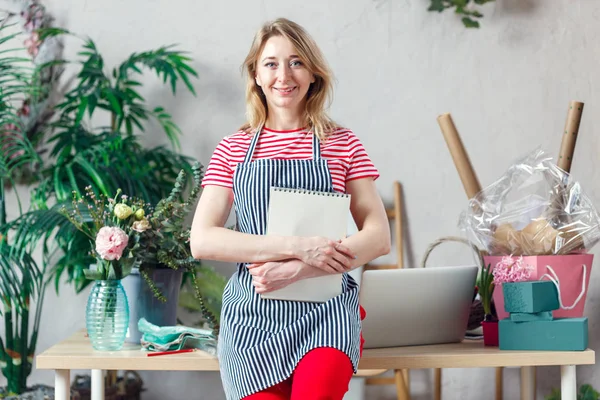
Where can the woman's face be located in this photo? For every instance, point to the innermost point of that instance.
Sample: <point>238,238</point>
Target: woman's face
<point>282,75</point>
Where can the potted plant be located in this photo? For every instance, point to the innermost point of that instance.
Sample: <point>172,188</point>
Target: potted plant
<point>25,89</point>
<point>485,288</point>
<point>166,257</point>
<point>507,270</point>
<point>107,157</point>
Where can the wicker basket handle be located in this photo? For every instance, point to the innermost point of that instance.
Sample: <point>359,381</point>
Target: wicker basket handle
<point>451,239</point>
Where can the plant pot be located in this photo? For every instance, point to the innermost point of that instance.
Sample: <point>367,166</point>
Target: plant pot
<point>490,333</point>
<point>144,304</point>
<point>107,315</point>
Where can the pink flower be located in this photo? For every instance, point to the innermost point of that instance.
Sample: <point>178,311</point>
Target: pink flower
<point>509,269</point>
<point>24,110</point>
<point>110,242</point>
<point>32,44</point>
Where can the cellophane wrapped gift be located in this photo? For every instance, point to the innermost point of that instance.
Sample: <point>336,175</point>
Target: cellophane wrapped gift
<point>535,208</point>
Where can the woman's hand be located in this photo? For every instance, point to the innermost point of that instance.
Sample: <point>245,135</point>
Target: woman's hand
<point>274,275</point>
<point>328,255</point>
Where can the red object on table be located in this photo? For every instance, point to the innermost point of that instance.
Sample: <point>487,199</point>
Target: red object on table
<point>163,353</point>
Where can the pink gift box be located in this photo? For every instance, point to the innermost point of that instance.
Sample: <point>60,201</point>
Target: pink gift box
<point>571,272</point>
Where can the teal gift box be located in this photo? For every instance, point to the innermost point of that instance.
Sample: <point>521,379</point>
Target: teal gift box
<point>561,334</point>
<point>530,297</point>
<point>526,317</point>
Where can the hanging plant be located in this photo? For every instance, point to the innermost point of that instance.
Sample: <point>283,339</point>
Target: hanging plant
<point>461,7</point>
<point>34,111</point>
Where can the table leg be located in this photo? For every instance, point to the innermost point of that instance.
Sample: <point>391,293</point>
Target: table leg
<point>97,384</point>
<point>401,389</point>
<point>568,382</point>
<point>499,383</point>
<point>62,380</point>
<point>527,383</point>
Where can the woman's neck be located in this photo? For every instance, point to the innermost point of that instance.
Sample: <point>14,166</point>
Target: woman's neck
<point>284,121</point>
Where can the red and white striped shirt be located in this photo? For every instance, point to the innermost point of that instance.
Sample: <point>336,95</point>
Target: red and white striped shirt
<point>346,156</point>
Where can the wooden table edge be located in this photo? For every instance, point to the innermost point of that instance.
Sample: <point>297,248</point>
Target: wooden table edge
<point>467,354</point>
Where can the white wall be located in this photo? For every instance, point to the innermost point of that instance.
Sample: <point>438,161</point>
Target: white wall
<point>398,66</point>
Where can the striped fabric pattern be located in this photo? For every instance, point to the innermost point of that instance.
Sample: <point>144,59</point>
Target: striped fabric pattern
<point>262,341</point>
<point>345,154</point>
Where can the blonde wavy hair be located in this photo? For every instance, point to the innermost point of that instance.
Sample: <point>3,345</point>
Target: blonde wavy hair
<point>319,93</point>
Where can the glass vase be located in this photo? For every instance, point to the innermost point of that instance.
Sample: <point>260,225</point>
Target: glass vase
<point>107,315</point>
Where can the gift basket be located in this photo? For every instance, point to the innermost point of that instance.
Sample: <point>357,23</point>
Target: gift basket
<point>535,216</point>
<point>535,208</point>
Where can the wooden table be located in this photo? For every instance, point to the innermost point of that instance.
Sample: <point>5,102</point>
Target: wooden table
<point>77,353</point>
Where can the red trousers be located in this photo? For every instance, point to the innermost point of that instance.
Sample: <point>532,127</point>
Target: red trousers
<point>323,374</point>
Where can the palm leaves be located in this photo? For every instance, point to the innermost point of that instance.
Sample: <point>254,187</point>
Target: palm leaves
<point>16,77</point>
<point>20,280</point>
<point>107,157</point>
<point>20,277</point>
<point>119,95</point>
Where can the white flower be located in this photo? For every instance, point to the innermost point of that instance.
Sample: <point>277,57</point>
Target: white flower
<point>141,226</point>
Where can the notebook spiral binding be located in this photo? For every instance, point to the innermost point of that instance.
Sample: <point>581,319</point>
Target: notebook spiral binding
<point>312,192</point>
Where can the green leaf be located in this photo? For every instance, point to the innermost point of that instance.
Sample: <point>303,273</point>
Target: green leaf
<point>81,110</point>
<point>114,103</point>
<point>461,10</point>
<point>469,23</point>
<point>436,5</point>
<point>587,392</point>
<point>92,275</point>
<point>45,33</point>
<point>92,102</point>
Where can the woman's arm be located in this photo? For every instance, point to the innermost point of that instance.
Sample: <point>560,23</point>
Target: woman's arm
<point>372,241</point>
<point>373,237</point>
<point>210,240</point>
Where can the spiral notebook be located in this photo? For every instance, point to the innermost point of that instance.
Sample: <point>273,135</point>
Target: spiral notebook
<point>297,212</point>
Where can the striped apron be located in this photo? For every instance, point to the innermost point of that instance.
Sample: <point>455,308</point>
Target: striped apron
<point>261,341</point>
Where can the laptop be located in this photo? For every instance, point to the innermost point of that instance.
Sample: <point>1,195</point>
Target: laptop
<point>416,306</point>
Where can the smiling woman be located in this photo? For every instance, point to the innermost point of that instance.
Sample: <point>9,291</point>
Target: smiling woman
<point>284,58</point>
<point>284,81</point>
<point>279,349</point>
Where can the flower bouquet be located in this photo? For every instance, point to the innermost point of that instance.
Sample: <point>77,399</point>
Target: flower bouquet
<point>114,226</point>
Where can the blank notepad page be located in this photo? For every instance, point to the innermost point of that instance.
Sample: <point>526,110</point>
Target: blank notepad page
<point>296,212</point>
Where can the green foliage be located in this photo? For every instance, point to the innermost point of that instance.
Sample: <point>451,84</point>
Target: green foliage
<point>107,157</point>
<point>17,84</point>
<point>586,392</point>
<point>211,285</point>
<point>20,277</point>
<point>167,241</point>
<point>20,281</point>
<point>485,287</point>
<point>461,7</point>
